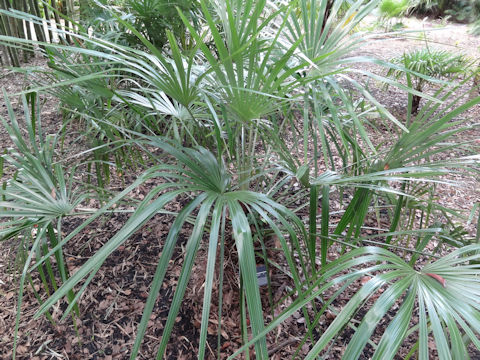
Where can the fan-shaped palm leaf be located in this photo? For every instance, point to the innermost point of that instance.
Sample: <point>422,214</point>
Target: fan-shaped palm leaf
<point>198,172</point>
<point>441,299</point>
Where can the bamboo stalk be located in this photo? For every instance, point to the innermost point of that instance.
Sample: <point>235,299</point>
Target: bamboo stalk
<point>59,25</point>
<point>68,13</point>
<point>71,12</point>
<point>7,30</point>
<point>48,18</point>
<point>35,10</point>
<point>3,50</point>
<point>28,51</point>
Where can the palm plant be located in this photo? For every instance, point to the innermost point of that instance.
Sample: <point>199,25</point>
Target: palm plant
<point>153,18</point>
<point>37,199</point>
<point>254,61</point>
<point>408,158</point>
<point>443,294</point>
<point>198,172</point>
<point>436,64</point>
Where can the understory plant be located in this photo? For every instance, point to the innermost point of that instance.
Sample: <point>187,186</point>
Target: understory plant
<point>154,18</point>
<point>257,127</point>
<point>465,11</point>
<point>433,63</point>
<point>394,8</point>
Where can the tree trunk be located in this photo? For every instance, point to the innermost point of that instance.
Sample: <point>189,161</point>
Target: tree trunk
<point>328,10</point>
<point>415,104</point>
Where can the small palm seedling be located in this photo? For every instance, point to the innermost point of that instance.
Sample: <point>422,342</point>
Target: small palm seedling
<point>431,63</point>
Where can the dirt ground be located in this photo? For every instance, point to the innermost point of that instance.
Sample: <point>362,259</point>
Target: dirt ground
<point>112,306</point>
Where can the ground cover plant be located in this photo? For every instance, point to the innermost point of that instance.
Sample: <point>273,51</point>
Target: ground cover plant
<point>246,128</point>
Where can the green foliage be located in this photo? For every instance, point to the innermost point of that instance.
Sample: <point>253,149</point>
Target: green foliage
<point>436,289</point>
<point>260,104</point>
<point>36,200</point>
<point>432,64</point>
<point>394,8</point>
<point>154,18</point>
<point>466,11</point>
<point>97,15</point>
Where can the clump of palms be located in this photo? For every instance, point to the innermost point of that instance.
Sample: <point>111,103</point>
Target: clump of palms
<point>432,64</point>
<point>258,65</point>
